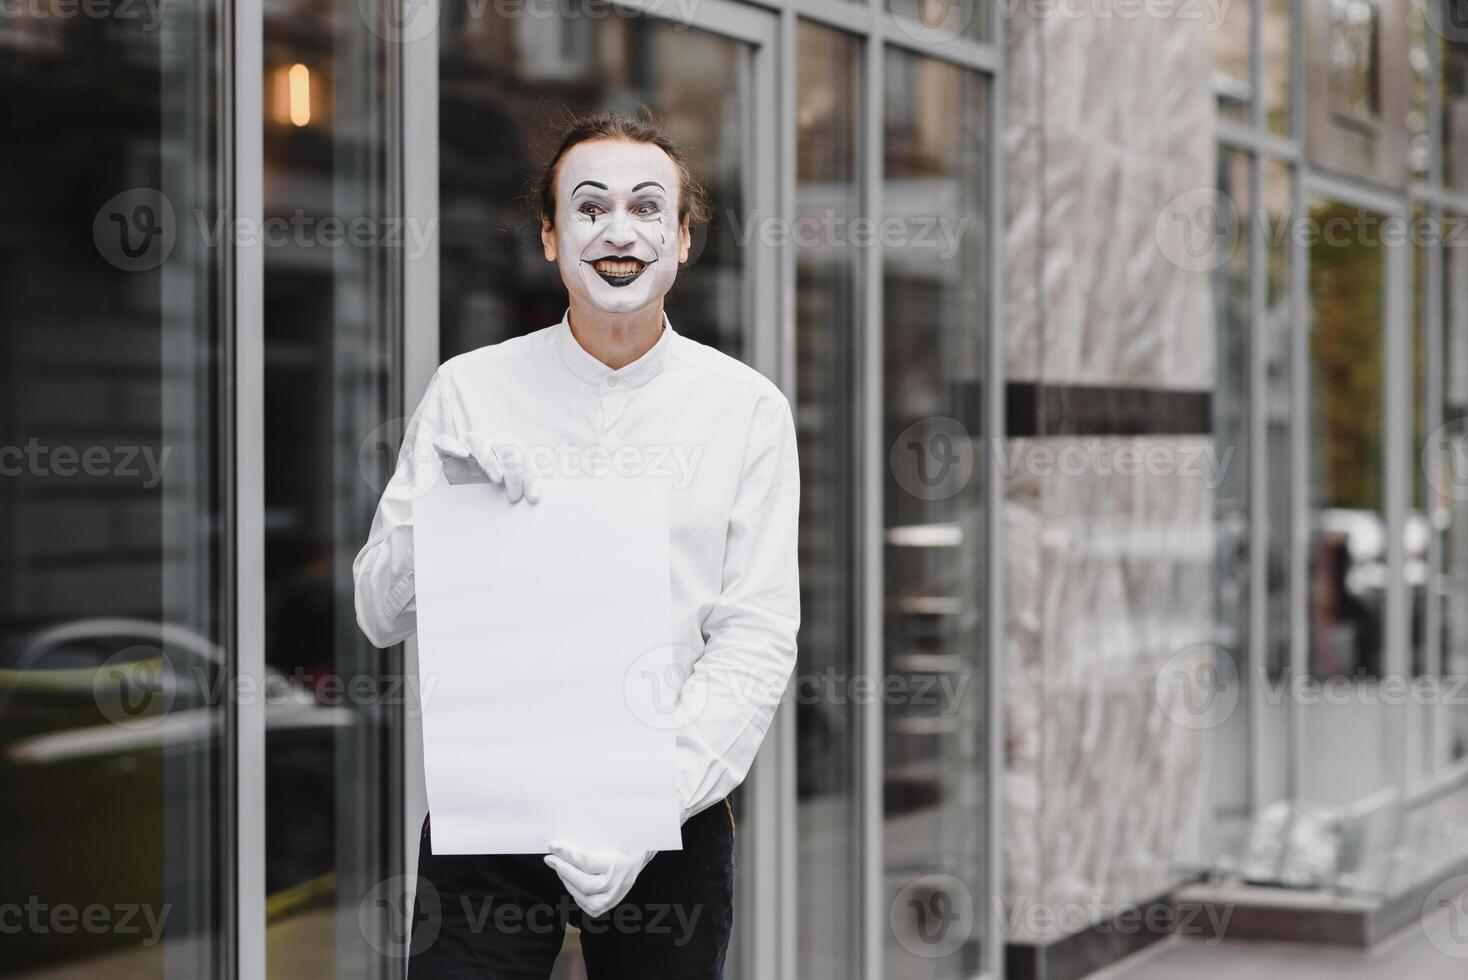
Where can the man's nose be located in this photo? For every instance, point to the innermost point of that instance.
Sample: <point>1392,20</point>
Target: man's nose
<point>618,232</point>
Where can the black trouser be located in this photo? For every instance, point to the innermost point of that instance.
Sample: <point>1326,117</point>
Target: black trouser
<point>502,917</point>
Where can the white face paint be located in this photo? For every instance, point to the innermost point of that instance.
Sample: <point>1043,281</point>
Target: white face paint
<point>616,239</point>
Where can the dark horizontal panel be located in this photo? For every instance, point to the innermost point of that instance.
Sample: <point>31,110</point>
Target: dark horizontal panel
<point>1034,410</point>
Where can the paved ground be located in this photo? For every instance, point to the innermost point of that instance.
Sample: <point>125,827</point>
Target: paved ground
<point>1435,951</point>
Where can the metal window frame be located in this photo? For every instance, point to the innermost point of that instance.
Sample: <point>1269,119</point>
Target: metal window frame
<point>771,28</point>
<point>1312,182</point>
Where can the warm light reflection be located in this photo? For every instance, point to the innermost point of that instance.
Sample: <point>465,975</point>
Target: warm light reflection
<point>300,95</point>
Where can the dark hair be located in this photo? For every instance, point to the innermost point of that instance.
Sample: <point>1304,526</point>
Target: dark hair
<point>694,208</point>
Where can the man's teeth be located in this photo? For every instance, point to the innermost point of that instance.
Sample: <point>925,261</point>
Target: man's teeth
<point>608,267</point>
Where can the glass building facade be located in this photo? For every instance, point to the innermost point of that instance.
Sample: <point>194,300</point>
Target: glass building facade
<point>1106,366</point>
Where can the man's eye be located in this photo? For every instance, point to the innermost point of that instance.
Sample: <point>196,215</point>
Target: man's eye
<point>590,209</point>
<point>647,210</point>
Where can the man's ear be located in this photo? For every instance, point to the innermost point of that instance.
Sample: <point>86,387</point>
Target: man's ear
<point>548,239</point>
<point>685,241</point>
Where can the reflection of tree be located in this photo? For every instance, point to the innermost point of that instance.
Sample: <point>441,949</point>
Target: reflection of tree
<point>1346,354</point>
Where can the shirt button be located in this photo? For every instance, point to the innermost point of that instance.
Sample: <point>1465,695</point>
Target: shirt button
<point>611,382</point>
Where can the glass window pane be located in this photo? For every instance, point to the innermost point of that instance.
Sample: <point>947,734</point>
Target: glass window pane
<point>934,324</point>
<point>1455,101</point>
<point>506,84</point>
<point>828,326</point>
<point>1231,400</point>
<point>1358,71</point>
<point>115,526</point>
<point>332,810</point>
<point>1346,740</point>
<point>1275,35</point>
<point>936,21</point>
<point>1452,483</point>
<point>505,87</point>
<point>1231,63</point>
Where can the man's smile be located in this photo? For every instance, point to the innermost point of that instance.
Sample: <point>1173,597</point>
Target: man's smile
<point>619,270</point>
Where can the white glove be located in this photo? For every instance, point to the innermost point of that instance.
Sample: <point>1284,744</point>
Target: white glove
<point>597,880</point>
<point>503,458</point>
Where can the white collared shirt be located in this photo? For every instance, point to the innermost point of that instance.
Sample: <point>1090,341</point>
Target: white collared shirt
<point>724,437</point>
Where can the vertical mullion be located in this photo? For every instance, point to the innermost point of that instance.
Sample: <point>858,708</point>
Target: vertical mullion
<point>787,901</point>
<point>1398,427</point>
<point>420,351</point>
<point>245,125</point>
<point>1434,354</point>
<point>1251,672</point>
<point>873,870</point>
<point>1299,479</point>
<point>992,444</point>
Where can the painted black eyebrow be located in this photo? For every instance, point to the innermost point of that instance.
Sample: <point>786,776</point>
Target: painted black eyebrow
<point>593,183</point>
<point>649,183</point>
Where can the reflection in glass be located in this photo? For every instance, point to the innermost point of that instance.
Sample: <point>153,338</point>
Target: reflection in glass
<point>933,334</point>
<point>1346,741</point>
<point>1231,398</point>
<point>827,331</point>
<point>1275,63</point>
<point>1455,101</point>
<point>506,86</point>
<point>1231,61</point>
<point>332,767</point>
<point>1451,510</point>
<point>1277,403</point>
<point>115,525</point>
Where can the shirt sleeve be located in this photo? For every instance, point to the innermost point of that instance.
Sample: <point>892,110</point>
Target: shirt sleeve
<point>750,633</point>
<point>383,570</point>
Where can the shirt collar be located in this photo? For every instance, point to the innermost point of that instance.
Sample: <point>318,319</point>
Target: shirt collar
<point>592,371</point>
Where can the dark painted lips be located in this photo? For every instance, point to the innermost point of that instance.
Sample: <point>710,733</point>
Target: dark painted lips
<point>619,270</point>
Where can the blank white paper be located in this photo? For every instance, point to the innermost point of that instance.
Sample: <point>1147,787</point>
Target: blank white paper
<point>530,619</point>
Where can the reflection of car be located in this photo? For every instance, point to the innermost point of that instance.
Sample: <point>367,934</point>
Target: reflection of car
<point>107,742</point>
